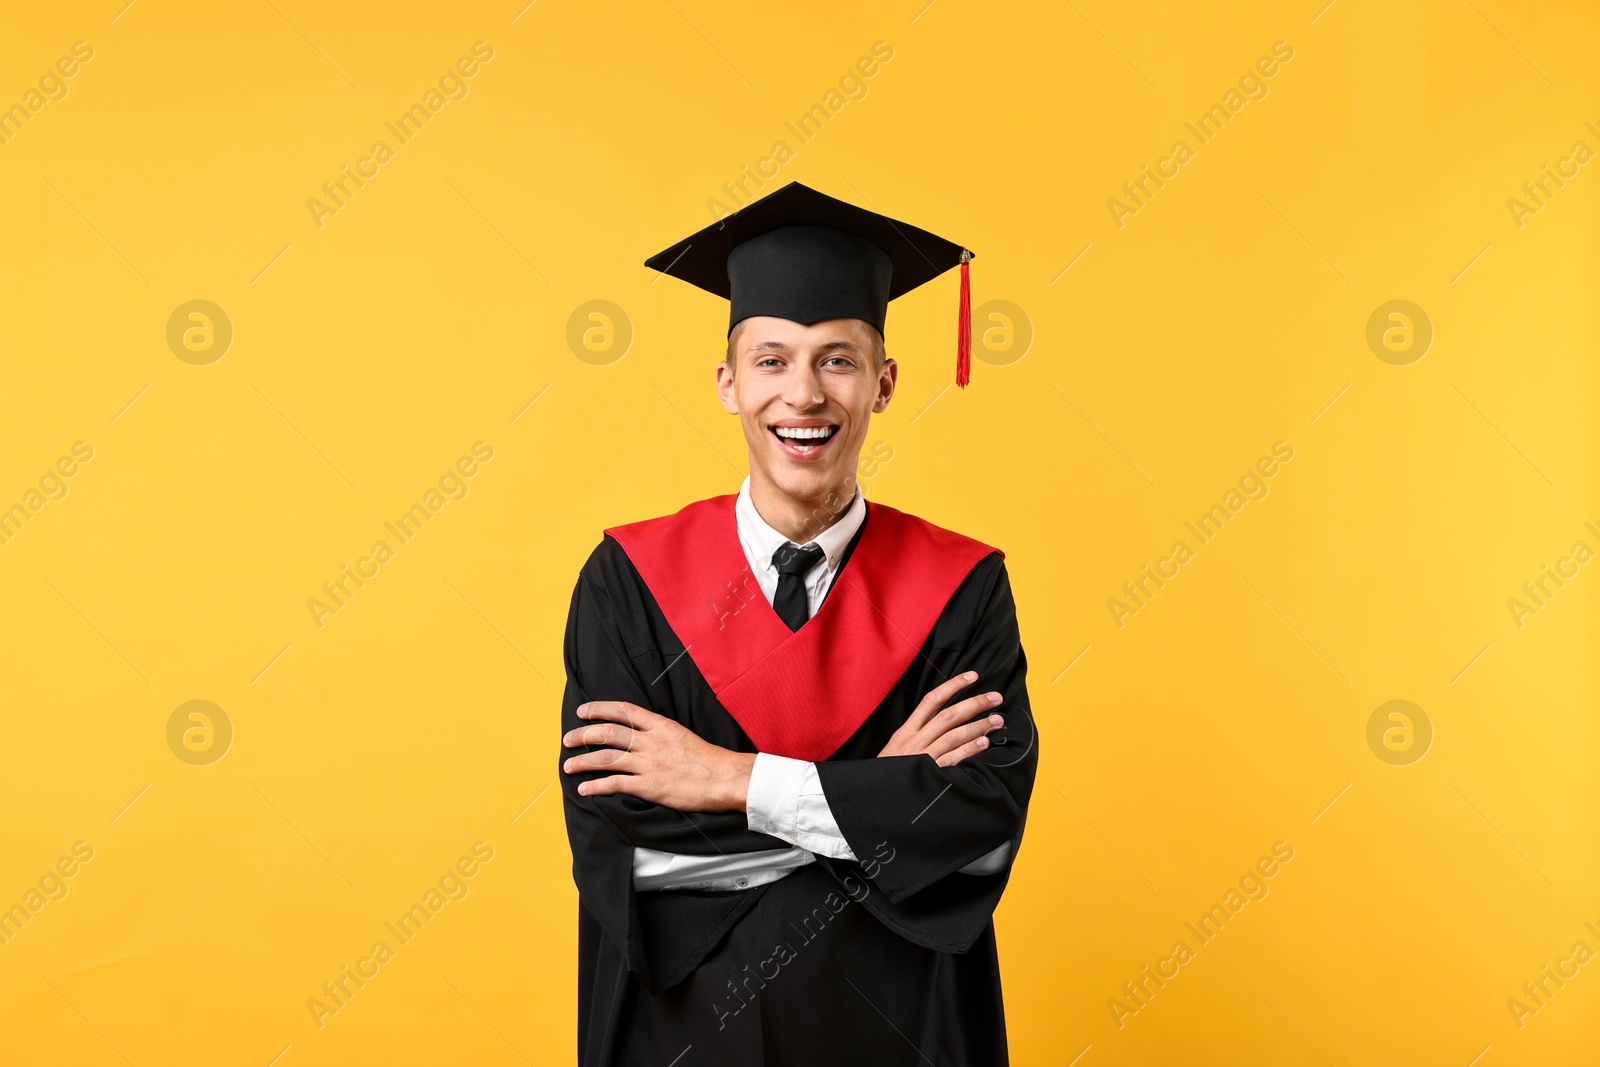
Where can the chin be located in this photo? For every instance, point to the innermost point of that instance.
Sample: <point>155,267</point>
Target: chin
<point>809,482</point>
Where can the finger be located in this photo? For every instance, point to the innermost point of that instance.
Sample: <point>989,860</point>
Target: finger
<point>936,698</point>
<point>601,733</point>
<point>957,714</point>
<point>971,748</point>
<point>954,739</point>
<point>609,786</point>
<point>601,759</point>
<point>617,711</point>
<point>961,712</point>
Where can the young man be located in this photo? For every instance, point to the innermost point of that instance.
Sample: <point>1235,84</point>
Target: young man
<point>791,802</point>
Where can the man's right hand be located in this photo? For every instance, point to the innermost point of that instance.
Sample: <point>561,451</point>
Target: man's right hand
<point>947,734</point>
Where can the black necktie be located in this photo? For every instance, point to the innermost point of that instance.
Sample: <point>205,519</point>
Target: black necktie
<point>792,564</point>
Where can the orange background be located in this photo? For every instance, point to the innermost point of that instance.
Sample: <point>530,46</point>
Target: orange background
<point>1133,374</point>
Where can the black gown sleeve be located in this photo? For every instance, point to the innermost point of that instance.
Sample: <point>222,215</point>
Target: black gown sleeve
<point>662,935</point>
<point>913,824</point>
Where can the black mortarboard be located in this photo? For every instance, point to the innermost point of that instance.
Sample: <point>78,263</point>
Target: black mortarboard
<point>803,255</point>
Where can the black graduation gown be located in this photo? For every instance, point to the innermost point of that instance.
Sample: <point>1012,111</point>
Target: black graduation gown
<point>887,960</point>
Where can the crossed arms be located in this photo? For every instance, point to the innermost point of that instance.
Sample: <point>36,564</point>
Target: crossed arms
<point>658,759</point>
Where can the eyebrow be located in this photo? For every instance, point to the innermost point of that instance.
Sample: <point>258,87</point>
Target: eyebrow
<point>779,346</point>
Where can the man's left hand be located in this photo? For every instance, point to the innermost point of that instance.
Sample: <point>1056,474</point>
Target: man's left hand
<point>659,760</point>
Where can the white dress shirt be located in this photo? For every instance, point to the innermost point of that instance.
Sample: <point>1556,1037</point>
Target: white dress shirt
<point>785,797</point>
<point>760,541</point>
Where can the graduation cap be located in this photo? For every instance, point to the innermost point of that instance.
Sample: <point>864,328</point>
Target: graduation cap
<point>803,255</point>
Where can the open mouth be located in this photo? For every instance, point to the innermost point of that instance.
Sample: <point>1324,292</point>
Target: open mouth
<point>804,440</point>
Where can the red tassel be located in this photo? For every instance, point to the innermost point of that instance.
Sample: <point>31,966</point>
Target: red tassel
<point>964,326</point>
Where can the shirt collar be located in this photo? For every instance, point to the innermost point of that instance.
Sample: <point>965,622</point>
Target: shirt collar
<point>756,533</point>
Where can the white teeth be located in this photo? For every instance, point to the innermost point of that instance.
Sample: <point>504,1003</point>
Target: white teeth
<point>803,432</point>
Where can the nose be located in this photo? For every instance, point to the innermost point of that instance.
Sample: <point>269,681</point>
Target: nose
<point>802,388</point>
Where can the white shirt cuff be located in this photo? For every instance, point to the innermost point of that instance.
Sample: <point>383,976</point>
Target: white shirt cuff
<point>741,870</point>
<point>991,862</point>
<point>785,800</point>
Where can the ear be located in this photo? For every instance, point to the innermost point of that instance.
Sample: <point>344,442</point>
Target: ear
<point>725,388</point>
<point>886,381</point>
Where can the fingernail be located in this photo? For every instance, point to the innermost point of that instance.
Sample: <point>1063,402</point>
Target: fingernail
<point>583,711</point>
<point>996,720</point>
<point>983,742</point>
<point>971,676</point>
<point>567,766</point>
<point>995,698</point>
<point>581,791</point>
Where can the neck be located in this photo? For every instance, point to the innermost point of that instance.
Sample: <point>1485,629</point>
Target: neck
<point>800,519</point>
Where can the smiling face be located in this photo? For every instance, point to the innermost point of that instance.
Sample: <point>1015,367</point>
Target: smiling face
<point>804,396</point>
